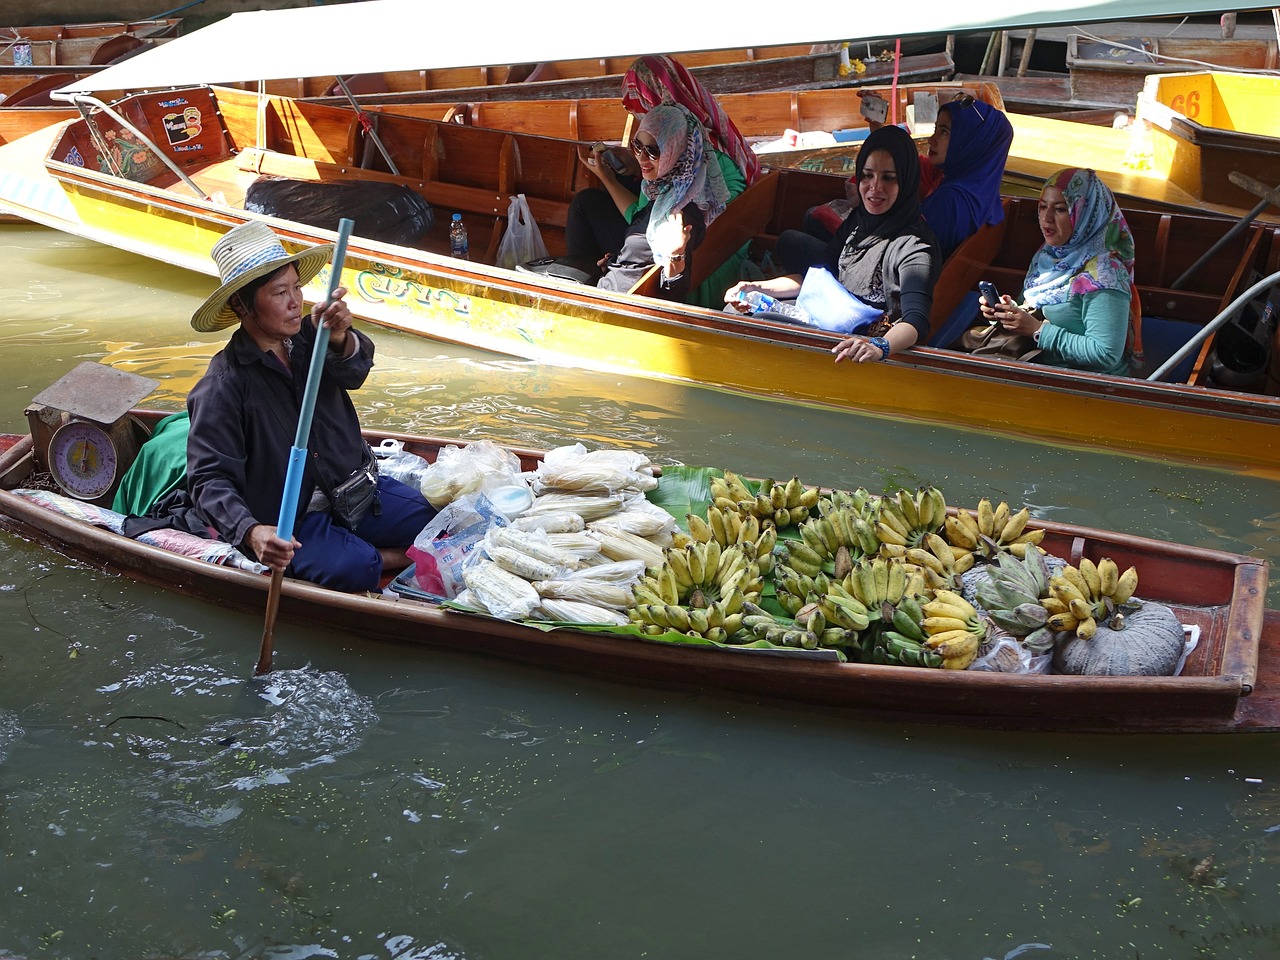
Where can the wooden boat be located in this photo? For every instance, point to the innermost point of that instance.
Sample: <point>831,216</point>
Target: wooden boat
<point>1204,126</point>
<point>81,43</point>
<point>25,105</point>
<point>56,177</point>
<point>1229,683</point>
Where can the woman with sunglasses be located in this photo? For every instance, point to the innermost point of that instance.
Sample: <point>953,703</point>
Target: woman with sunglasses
<point>884,253</point>
<point>598,217</point>
<point>681,191</point>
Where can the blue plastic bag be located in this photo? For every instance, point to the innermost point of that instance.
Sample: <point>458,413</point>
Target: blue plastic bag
<point>831,307</point>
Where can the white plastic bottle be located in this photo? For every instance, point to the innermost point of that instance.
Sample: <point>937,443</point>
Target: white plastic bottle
<point>458,238</point>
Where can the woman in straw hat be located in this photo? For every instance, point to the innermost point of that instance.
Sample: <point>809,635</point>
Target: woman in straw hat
<point>244,417</point>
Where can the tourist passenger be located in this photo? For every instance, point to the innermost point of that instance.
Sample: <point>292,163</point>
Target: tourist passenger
<point>681,192</point>
<point>961,175</point>
<point>884,253</point>
<point>244,416</point>
<point>597,218</point>
<point>1079,287</point>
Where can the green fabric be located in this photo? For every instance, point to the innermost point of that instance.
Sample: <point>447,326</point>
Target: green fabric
<point>160,467</point>
<point>1088,332</point>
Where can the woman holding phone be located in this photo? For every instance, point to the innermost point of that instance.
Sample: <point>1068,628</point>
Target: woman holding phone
<point>1079,288</point>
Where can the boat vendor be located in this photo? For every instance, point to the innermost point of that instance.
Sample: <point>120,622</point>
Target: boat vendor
<point>353,524</point>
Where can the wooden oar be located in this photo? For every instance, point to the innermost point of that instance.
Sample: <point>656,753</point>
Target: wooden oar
<point>298,453</point>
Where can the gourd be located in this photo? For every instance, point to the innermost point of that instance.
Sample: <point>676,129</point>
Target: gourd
<point>1146,642</point>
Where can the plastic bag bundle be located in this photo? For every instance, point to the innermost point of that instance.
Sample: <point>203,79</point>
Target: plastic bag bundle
<point>642,518</point>
<point>446,545</point>
<point>574,469</point>
<point>458,471</point>
<point>562,522</point>
<point>584,505</point>
<point>575,611</point>
<point>578,545</point>
<point>619,545</point>
<point>598,592</point>
<point>503,593</point>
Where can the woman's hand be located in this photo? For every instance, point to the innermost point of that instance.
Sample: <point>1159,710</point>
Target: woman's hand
<point>1009,315</point>
<point>594,162</point>
<point>670,239</point>
<point>857,349</point>
<point>337,317</point>
<point>733,296</point>
<point>269,548</point>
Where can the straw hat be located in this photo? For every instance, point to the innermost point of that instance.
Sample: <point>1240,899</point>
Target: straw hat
<point>244,254</point>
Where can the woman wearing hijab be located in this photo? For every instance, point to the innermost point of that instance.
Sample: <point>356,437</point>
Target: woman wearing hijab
<point>1079,287</point>
<point>969,147</point>
<point>884,253</point>
<point>597,218</point>
<point>681,192</point>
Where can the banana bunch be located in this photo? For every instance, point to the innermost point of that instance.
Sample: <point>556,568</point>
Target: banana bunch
<point>904,520</point>
<point>1015,596</point>
<point>855,500</point>
<point>808,629</point>
<point>995,530</point>
<point>702,585</point>
<point>830,544</point>
<point>903,641</point>
<point>1081,596</point>
<point>943,564</point>
<point>782,504</point>
<point>953,629</point>
<point>795,589</point>
<point>876,581</point>
<point>733,527</point>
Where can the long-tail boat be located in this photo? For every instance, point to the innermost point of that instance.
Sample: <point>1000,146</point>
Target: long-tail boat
<point>171,195</point>
<point>1229,683</point>
<point>81,44</point>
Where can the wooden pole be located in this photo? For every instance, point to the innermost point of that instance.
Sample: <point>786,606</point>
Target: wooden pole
<point>298,454</point>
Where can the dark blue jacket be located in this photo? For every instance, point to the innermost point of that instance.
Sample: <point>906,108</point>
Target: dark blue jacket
<point>244,419</point>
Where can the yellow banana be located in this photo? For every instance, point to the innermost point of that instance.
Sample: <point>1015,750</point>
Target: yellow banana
<point>955,600</point>
<point>1031,536</point>
<point>999,517</point>
<point>1073,576</point>
<point>924,558</point>
<point>1014,526</point>
<point>959,534</point>
<point>746,530</point>
<point>880,572</point>
<point>910,509</point>
<point>934,625</point>
<point>964,563</point>
<point>716,520</point>
<point>793,490</point>
<point>888,534</point>
<point>1125,586</point>
<point>696,558</point>
<point>1108,576</point>
<point>777,494</point>
<point>897,581</point>
<point>986,517</point>
<point>1064,590</point>
<point>699,529</point>
<point>1093,580</point>
<point>699,621</point>
<point>1080,610</point>
<point>957,647</point>
<point>891,516</point>
<point>711,552</point>
<point>1062,622</point>
<point>935,640</point>
<point>678,563</point>
<point>947,611</point>
<point>677,617</point>
<point>809,498</point>
<point>969,522</point>
<point>1087,628</point>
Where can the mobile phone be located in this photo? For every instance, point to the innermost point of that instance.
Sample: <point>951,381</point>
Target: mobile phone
<point>609,157</point>
<point>989,293</point>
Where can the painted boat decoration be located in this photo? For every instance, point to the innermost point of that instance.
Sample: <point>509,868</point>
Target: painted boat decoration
<point>1229,683</point>
<point>103,183</point>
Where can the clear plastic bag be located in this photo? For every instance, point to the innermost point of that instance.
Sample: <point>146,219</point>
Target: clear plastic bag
<point>1007,655</point>
<point>395,462</point>
<point>447,544</point>
<point>459,471</point>
<point>522,240</point>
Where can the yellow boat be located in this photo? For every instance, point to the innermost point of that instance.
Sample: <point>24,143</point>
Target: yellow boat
<point>104,183</point>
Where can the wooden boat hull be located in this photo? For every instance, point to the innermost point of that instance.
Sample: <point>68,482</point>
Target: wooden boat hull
<point>1227,686</point>
<point>525,315</point>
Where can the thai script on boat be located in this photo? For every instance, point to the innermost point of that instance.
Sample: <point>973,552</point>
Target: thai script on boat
<point>393,286</point>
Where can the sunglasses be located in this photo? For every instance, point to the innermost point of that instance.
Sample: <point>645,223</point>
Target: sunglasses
<point>651,150</point>
<point>963,100</point>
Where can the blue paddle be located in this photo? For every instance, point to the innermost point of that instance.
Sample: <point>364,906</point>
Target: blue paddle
<point>298,452</point>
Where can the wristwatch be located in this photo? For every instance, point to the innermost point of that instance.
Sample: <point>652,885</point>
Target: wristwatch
<point>883,344</point>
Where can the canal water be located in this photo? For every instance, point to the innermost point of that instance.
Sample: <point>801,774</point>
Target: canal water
<point>381,800</point>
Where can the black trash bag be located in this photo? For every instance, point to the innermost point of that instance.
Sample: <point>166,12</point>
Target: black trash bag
<point>387,212</point>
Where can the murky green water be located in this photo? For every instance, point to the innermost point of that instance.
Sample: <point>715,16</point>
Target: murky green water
<point>379,800</point>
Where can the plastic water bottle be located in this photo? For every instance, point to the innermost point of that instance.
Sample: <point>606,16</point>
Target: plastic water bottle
<point>762,302</point>
<point>458,238</point>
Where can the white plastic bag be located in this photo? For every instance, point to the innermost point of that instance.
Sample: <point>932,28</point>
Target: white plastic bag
<point>448,543</point>
<point>522,240</point>
<point>830,306</point>
<point>457,471</point>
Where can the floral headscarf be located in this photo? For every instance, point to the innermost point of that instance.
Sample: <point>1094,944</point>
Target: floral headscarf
<point>1099,253</point>
<point>654,80</point>
<point>684,175</point>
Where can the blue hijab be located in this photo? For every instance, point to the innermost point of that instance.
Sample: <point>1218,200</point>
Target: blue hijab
<point>969,195</point>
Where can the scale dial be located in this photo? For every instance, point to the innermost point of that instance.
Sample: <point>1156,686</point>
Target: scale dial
<point>83,459</point>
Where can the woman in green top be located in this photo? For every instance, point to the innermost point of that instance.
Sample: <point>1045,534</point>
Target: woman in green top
<point>1079,288</point>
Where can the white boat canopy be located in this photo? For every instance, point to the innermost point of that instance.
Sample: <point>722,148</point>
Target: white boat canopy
<point>385,35</point>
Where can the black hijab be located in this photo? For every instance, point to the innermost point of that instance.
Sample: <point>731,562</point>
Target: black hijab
<point>861,259</point>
